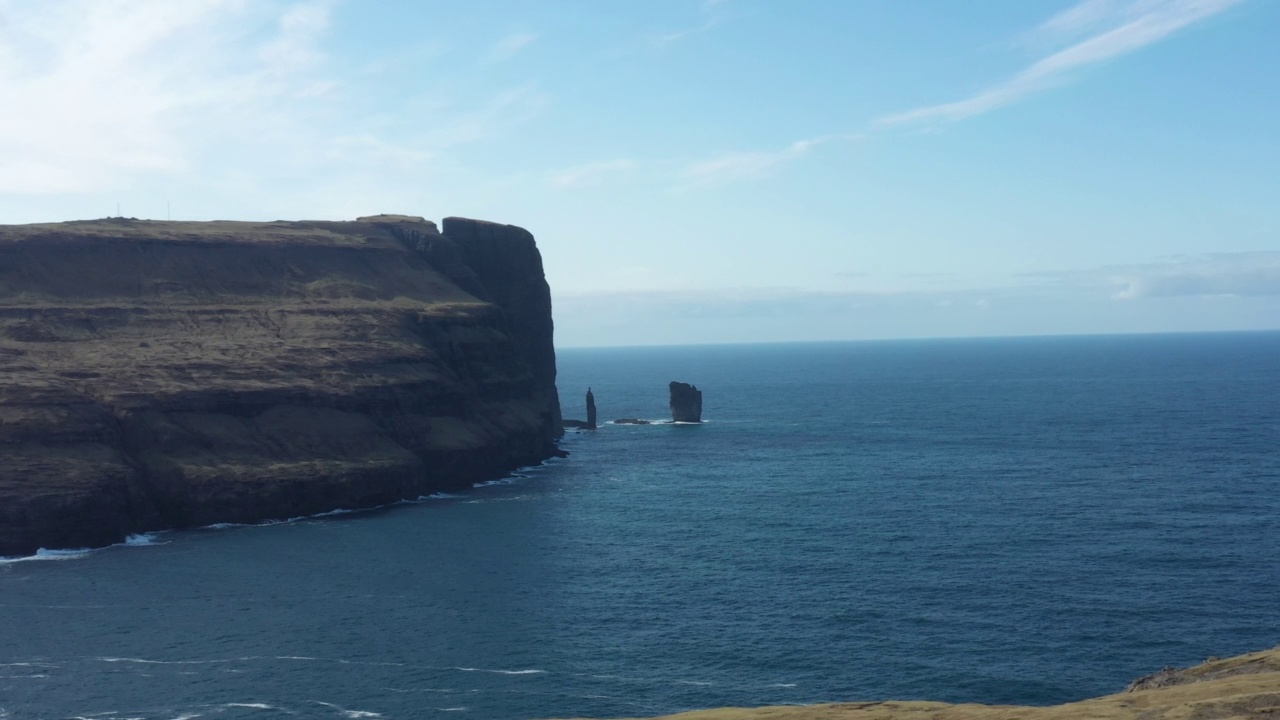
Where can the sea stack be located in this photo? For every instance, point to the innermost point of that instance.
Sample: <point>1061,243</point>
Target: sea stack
<point>686,403</point>
<point>591,410</point>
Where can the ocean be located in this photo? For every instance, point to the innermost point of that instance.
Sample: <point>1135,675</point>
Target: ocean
<point>1032,521</point>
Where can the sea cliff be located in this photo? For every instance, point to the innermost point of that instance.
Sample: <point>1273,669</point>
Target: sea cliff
<point>162,375</point>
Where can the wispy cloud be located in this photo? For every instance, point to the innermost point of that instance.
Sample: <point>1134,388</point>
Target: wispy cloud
<point>104,90</point>
<point>498,113</point>
<point>662,41</point>
<point>1248,274</point>
<point>740,166</point>
<point>1118,27</point>
<point>138,96</point>
<point>1239,291</point>
<point>1238,274</point>
<point>295,46</point>
<point>1093,31</point>
<point>508,47</point>
<point>591,174</point>
<point>713,12</point>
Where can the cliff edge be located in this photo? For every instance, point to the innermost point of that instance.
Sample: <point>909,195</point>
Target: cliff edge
<point>168,374</point>
<point>1246,686</point>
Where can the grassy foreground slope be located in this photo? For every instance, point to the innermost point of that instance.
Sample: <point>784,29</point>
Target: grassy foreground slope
<point>1247,686</point>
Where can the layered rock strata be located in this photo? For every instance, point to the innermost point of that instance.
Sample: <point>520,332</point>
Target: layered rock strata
<point>169,375</point>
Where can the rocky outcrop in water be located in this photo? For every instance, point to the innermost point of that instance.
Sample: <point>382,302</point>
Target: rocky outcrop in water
<point>590,422</point>
<point>167,375</point>
<point>686,403</point>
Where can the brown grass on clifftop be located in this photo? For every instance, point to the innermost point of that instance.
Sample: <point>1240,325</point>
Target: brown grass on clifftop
<point>1247,686</point>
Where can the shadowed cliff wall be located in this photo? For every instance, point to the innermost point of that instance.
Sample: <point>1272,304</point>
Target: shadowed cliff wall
<point>164,375</point>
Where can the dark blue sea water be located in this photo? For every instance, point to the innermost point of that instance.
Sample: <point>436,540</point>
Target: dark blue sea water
<point>1004,521</point>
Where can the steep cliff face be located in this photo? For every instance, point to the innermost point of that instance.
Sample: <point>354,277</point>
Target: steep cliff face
<point>166,375</point>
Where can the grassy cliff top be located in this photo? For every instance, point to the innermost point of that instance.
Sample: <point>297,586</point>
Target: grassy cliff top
<point>1247,686</point>
<point>363,232</point>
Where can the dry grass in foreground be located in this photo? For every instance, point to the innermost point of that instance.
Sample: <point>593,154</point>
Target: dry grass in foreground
<point>1247,686</point>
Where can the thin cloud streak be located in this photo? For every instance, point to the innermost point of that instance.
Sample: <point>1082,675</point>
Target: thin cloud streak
<point>508,47</point>
<point>665,40</point>
<point>1089,15</point>
<point>1248,274</point>
<point>741,166</point>
<point>713,9</point>
<point>1133,26</point>
<point>1130,25</point>
<point>591,174</point>
<point>1237,274</point>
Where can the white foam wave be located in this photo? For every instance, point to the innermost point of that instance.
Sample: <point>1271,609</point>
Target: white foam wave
<point>537,468</point>
<point>645,422</point>
<point>142,540</point>
<point>145,661</point>
<point>153,538</point>
<point>134,540</point>
<point>350,713</point>
<point>508,498</point>
<point>252,706</point>
<point>291,520</point>
<point>452,709</point>
<point>45,554</point>
<point>783,685</point>
<point>502,672</point>
<point>334,513</point>
<point>140,661</point>
<point>438,496</point>
<point>692,682</point>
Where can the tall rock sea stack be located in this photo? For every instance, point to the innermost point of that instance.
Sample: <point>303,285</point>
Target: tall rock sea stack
<point>686,403</point>
<point>166,375</point>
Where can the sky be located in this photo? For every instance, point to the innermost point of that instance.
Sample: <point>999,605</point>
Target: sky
<point>702,171</point>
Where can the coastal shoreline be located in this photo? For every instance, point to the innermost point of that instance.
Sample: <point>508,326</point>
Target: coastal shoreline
<point>1245,686</point>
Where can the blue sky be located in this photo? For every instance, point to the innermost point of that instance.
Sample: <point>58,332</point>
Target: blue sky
<point>702,170</point>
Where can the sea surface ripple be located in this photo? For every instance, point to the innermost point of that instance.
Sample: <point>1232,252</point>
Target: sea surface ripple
<point>1004,521</point>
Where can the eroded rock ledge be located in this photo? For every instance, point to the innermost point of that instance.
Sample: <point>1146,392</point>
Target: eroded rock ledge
<point>168,375</point>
